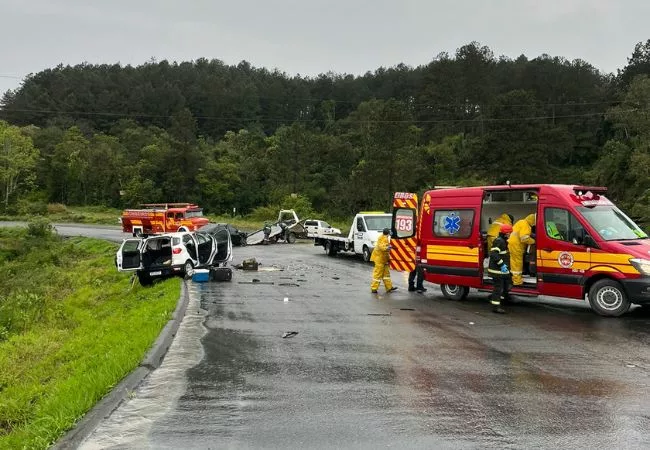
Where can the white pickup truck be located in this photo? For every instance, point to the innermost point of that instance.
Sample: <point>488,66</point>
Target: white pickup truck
<point>364,232</point>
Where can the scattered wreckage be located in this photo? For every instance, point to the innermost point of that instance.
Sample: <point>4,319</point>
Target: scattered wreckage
<point>287,229</point>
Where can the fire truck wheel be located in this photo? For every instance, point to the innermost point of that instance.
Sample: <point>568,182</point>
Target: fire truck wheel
<point>188,268</point>
<point>182,229</point>
<point>366,254</point>
<point>608,298</point>
<point>454,292</point>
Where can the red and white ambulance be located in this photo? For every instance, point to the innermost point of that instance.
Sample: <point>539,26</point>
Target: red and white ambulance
<point>585,245</point>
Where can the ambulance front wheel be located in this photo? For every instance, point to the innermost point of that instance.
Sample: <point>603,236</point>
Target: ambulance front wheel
<point>454,292</point>
<point>607,298</point>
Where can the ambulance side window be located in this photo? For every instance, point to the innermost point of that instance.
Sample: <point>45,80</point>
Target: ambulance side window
<point>453,223</point>
<point>561,225</point>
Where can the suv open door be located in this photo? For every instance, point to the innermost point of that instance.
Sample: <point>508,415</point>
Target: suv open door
<point>128,256</point>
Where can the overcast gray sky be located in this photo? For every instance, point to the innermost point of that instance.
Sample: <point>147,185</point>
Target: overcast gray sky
<point>311,37</point>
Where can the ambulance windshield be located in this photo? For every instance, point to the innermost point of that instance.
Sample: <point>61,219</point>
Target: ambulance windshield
<point>611,223</point>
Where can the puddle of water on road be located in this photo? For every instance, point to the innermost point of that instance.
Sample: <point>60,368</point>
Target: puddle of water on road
<point>129,425</point>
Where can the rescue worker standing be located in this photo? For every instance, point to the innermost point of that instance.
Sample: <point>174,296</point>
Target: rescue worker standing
<point>381,257</point>
<point>417,273</point>
<point>493,230</point>
<point>520,238</point>
<point>499,268</point>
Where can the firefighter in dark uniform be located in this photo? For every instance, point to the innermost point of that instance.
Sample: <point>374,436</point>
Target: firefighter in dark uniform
<point>499,268</point>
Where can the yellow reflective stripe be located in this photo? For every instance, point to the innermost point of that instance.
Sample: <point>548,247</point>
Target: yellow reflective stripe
<point>495,302</point>
<point>494,271</point>
<point>495,249</point>
<point>500,261</point>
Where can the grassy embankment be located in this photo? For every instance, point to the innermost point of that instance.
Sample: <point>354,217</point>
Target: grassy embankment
<point>71,327</point>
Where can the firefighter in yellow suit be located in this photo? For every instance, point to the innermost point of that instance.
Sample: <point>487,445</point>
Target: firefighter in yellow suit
<point>520,238</point>
<point>381,257</point>
<point>493,230</point>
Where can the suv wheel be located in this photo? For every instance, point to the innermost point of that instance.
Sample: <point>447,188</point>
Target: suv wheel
<point>188,268</point>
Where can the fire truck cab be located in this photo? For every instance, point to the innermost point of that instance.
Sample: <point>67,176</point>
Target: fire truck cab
<point>585,247</point>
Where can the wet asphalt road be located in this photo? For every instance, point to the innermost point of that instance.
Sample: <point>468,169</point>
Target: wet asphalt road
<point>396,370</point>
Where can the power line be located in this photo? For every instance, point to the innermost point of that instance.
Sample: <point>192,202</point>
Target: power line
<point>11,76</point>
<point>271,119</point>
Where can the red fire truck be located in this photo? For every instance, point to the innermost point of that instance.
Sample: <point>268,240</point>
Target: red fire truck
<point>154,218</point>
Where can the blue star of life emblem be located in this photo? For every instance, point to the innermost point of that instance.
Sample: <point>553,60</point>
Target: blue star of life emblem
<point>452,223</point>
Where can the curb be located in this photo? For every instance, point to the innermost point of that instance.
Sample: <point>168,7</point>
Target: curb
<point>111,401</point>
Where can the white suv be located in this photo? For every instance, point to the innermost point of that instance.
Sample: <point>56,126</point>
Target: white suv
<point>320,228</point>
<point>170,254</point>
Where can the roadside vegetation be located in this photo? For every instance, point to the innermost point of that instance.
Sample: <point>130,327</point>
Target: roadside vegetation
<point>57,212</point>
<point>71,327</point>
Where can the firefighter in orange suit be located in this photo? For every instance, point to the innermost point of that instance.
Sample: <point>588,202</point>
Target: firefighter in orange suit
<point>381,257</point>
<point>520,238</point>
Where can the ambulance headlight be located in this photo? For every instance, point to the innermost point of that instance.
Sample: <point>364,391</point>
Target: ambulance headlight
<point>642,265</point>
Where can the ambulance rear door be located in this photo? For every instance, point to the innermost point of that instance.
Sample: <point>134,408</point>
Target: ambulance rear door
<point>403,241</point>
<point>451,241</point>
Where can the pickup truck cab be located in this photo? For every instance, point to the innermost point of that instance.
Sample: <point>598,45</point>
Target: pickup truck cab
<point>364,232</point>
<point>320,227</point>
<point>170,254</point>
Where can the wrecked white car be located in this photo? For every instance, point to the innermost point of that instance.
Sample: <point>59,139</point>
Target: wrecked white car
<point>171,254</point>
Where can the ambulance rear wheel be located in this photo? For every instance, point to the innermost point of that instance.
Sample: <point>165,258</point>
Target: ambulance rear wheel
<point>454,292</point>
<point>608,298</point>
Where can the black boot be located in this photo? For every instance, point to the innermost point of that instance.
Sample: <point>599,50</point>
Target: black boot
<point>498,309</point>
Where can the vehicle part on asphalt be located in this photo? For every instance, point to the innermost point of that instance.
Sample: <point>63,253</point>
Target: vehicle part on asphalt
<point>289,334</point>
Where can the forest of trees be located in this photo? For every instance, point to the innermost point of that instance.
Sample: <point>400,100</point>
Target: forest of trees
<point>239,136</point>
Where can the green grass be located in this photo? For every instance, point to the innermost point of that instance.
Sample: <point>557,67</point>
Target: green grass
<point>71,327</point>
<point>100,215</point>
